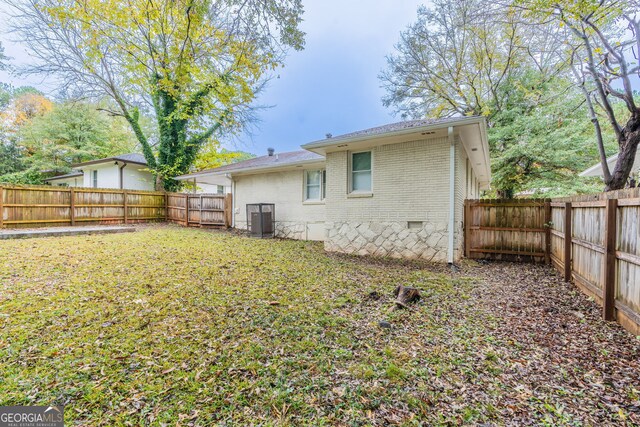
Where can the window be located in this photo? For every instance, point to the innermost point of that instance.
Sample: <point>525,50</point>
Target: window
<point>95,179</point>
<point>361,171</point>
<point>220,189</point>
<point>314,184</point>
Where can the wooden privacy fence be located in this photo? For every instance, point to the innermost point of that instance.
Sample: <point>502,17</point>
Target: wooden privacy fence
<point>194,210</point>
<point>43,206</point>
<point>592,240</point>
<point>508,229</point>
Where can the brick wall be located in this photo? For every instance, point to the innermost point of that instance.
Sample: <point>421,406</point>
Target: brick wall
<point>410,183</point>
<point>294,218</point>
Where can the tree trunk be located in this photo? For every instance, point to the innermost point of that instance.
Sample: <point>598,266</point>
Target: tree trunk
<point>406,295</point>
<point>629,140</point>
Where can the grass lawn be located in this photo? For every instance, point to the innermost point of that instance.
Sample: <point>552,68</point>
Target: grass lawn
<point>172,326</point>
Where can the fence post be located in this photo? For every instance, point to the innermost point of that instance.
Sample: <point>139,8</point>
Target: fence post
<point>547,232</point>
<point>467,228</point>
<point>567,241</point>
<point>72,206</point>
<point>609,268</point>
<point>166,206</point>
<point>1,206</point>
<point>125,206</point>
<point>186,199</point>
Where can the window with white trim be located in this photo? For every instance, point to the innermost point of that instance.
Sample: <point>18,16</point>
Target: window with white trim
<point>361,171</point>
<point>314,185</point>
<point>95,179</point>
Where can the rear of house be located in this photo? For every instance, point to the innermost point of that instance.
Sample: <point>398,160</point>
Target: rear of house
<point>396,190</point>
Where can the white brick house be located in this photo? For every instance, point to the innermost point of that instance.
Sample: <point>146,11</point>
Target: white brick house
<point>396,190</point>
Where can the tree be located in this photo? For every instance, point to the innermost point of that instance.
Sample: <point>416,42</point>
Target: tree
<point>72,133</point>
<point>3,59</point>
<point>603,53</point>
<point>196,66</point>
<point>453,60</point>
<point>27,105</point>
<point>212,156</point>
<point>18,106</point>
<point>543,141</point>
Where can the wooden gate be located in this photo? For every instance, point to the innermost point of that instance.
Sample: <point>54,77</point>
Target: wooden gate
<point>507,229</point>
<point>199,210</point>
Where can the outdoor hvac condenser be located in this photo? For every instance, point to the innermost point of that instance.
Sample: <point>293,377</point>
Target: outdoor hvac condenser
<point>261,220</point>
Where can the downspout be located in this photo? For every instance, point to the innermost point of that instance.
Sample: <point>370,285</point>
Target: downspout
<point>233,202</point>
<point>452,192</point>
<point>122,175</point>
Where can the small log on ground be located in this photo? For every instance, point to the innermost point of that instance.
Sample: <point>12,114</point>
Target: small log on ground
<point>405,295</point>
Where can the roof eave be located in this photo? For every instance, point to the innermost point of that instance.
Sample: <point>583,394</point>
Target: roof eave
<point>320,145</point>
<point>54,178</point>
<point>110,159</point>
<point>254,169</point>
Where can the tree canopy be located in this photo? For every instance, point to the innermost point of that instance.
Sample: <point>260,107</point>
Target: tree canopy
<point>514,62</point>
<point>195,66</point>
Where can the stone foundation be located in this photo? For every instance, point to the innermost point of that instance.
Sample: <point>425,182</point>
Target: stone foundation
<point>393,239</point>
<point>291,230</point>
<point>297,230</point>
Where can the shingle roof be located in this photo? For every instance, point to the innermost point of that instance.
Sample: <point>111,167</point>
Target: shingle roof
<point>277,160</point>
<point>129,158</point>
<point>398,126</point>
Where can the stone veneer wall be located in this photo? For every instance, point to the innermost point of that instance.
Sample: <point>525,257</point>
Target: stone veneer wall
<point>298,230</point>
<point>389,238</point>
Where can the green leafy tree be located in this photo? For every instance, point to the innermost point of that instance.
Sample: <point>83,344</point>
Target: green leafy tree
<point>471,58</point>
<point>602,43</point>
<point>212,156</point>
<point>73,133</point>
<point>542,142</point>
<point>18,106</point>
<point>195,66</point>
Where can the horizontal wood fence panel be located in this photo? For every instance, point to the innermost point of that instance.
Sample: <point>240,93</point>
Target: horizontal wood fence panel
<point>199,210</point>
<point>592,239</point>
<point>505,229</point>
<point>45,206</point>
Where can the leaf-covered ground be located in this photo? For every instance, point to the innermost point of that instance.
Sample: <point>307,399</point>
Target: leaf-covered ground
<point>172,326</point>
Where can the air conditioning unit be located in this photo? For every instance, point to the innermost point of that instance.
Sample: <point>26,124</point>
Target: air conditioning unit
<point>261,221</point>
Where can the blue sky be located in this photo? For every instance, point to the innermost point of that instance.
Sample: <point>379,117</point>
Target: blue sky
<point>329,87</point>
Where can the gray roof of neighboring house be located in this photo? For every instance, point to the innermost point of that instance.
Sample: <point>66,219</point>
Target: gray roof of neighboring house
<point>263,162</point>
<point>128,158</point>
<point>68,175</point>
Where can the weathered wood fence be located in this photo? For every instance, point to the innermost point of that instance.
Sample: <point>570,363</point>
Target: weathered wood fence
<point>593,240</point>
<point>199,209</point>
<point>44,206</point>
<point>506,229</point>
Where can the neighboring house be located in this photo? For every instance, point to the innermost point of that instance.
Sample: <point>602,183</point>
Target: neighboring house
<point>396,190</point>
<point>204,182</point>
<point>596,170</point>
<point>126,171</point>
